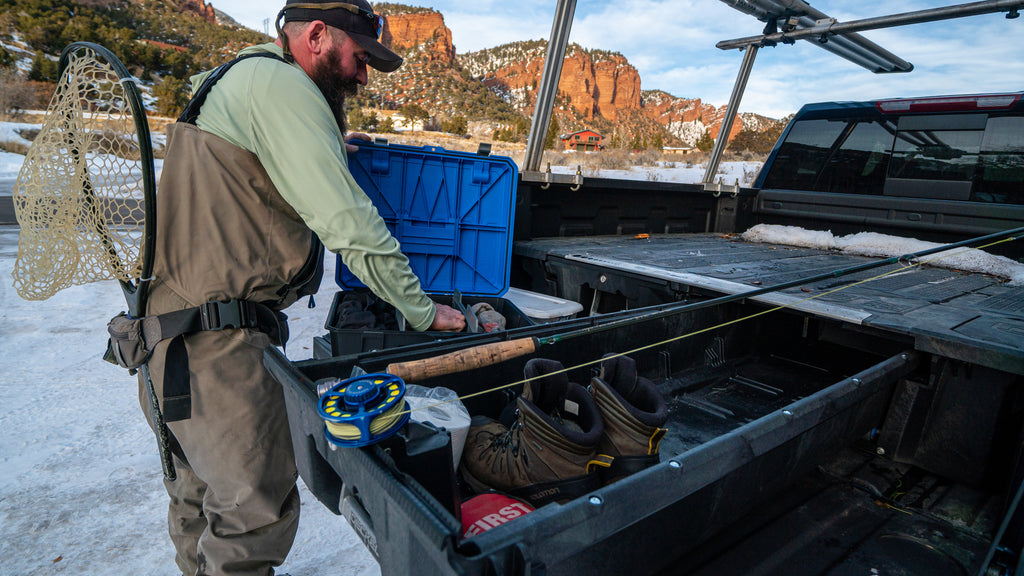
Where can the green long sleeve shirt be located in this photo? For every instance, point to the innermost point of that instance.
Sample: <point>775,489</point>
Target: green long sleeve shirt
<point>277,113</point>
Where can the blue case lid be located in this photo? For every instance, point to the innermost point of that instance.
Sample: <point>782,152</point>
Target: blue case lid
<point>452,212</point>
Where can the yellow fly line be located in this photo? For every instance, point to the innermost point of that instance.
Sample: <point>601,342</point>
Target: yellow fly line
<point>79,196</point>
<point>706,329</point>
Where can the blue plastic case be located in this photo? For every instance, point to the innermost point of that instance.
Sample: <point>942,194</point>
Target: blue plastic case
<point>452,212</point>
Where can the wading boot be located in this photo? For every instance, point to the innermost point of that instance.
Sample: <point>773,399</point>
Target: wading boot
<point>545,449</point>
<point>633,412</point>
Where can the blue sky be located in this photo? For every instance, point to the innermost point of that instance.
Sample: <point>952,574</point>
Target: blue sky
<point>672,45</point>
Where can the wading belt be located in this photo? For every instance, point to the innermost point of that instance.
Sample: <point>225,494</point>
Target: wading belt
<point>209,316</point>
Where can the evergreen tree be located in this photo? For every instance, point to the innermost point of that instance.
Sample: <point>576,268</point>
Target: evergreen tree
<point>7,59</point>
<point>552,137</point>
<point>356,118</point>
<point>414,113</point>
<point>171,96</point>
<point>387,126</point>
<point>457,125</point>
<point>371,122</point>
<point>43,69</point>
<point>657,141</point>
<point>705,143</point>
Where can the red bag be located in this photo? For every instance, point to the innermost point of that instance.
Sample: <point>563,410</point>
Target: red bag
<point>485,511</point>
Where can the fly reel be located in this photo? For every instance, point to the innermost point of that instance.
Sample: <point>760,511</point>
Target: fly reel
<point>363,410</point>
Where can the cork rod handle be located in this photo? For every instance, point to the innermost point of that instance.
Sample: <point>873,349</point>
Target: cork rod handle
<point>462,360</point>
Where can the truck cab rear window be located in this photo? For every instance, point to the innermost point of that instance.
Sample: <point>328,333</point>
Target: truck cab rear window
<point>1002,162</point>
<point>950,157</point>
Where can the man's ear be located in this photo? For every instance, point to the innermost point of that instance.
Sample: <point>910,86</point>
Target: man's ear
<point>317,37</point>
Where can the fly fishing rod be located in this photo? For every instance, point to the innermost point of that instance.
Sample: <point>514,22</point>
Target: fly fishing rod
<point>488,354</point>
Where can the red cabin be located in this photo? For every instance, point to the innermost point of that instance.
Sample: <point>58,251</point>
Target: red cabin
<point>583,141</point>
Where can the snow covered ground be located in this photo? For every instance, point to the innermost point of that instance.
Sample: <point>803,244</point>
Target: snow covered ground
<point>80,480</point>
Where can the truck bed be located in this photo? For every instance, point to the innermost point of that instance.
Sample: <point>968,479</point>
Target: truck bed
<point>838,434</point>
<point>972,317</point>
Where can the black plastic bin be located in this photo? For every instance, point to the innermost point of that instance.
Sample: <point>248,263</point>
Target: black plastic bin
<point>346,341</point>
<point>752,407</point>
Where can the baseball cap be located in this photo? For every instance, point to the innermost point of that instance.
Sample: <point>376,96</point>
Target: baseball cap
<point>355,17</point>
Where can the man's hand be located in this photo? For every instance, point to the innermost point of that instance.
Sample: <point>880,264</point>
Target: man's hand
<point>447,319</point>
<point>350,148</point>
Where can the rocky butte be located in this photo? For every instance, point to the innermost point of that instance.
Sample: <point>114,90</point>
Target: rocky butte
<point>596,87</point>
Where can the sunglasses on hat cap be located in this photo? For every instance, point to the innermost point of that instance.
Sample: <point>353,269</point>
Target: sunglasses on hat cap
<point>375,20</point>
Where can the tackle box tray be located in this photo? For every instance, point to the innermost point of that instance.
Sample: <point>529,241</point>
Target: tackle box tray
<point>354,340</point>
<point>752,408</point>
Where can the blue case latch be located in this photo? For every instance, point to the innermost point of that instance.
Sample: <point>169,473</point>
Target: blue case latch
<point>380,162</point>
<point>481,173</point>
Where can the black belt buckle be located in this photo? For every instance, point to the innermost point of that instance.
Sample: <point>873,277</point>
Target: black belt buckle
<point>232,314</point>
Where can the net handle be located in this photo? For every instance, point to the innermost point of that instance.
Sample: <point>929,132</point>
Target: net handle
<point>135,294</point>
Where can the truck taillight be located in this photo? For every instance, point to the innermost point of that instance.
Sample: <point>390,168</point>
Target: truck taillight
<point>950,103</point>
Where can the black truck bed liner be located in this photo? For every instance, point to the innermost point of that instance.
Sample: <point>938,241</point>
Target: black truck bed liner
<point>856,514</point>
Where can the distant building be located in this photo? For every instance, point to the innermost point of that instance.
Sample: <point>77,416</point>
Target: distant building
<point>680,151</point>
<point>583,141</point>
<point>401,122</point>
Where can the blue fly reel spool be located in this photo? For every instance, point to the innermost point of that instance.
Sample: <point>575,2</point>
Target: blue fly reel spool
<point>363,410</point>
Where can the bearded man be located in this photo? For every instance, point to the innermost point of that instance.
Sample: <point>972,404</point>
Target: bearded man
<point>255,178</point>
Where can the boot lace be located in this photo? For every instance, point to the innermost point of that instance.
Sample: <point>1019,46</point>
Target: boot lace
<point>507,449</point>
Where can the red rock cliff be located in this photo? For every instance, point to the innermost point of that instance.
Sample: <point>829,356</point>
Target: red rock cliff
<point>594,85</point>
<point>597,85</point>
<point>675,112</point>
<point>200,8</point>
<point>425,30</point>
<point>601,86</point>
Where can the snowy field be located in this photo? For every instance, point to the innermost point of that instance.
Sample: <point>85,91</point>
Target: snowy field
<point>80,480</point>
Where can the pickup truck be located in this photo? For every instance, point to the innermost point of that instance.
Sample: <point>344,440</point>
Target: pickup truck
<point>862,423</point>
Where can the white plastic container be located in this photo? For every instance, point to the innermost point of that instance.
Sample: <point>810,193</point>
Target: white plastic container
<point>541,307</point>
<point>442,408</point>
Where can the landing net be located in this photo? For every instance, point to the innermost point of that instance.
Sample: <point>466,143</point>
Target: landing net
<point>80,195</point>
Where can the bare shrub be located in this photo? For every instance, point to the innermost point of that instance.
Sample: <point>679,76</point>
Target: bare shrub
<point>13,147</point>
<point>15,93</point>
<point>749,175</point>
<point>646,157</point>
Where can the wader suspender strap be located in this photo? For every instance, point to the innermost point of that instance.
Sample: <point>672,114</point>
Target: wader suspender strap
<point>308,279</point>
<point>211,315</point>
<point>191,111</point>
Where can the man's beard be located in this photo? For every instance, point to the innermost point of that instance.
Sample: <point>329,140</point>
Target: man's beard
<point>334,86</point>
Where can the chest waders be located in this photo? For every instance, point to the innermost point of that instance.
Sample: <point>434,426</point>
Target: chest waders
<point>134,338</point>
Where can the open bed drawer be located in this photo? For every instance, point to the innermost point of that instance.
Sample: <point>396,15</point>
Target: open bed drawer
<point>753,406</point>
